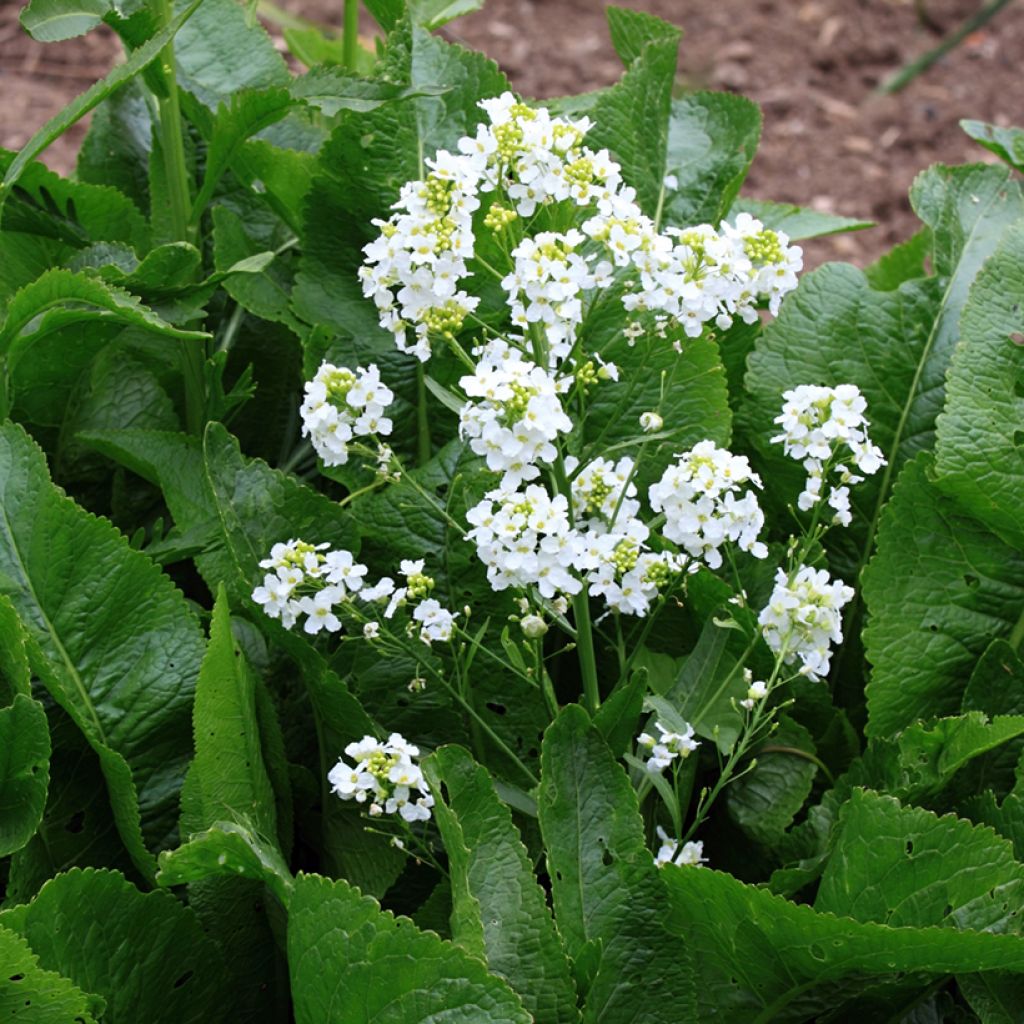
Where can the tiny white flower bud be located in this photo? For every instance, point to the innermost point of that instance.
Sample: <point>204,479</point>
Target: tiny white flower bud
<point>534,627</point>
<point>651,422</point>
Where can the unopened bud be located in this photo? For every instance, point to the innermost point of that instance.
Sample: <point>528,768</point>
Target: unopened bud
<point>534,627</point>
<point>651,422</point>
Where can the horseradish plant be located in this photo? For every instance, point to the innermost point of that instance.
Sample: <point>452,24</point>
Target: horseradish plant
<point>453,551</point>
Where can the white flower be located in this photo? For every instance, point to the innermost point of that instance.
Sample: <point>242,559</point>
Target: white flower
<point>822,427</point>
<point>692,854</point>
<point>667,747</point>
<point>371,630</point>
<point>342,404</point>
<point>803,618</point>
<point>436,623</point>
<point>755,693</point>
<point>533,627</point>
<point>703,498</point>
<point>320,610</point>
<point>386,776</point>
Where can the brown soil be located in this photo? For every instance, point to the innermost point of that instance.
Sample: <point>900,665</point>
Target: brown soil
<point>829,140</point>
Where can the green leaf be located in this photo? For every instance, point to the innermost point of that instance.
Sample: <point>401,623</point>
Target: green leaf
<point>765,800</point>
<point>979,450</point>
<point>50,21</point>
<point>47,296</point>
<point>116,148</point>
<point>907,867</point>
<point>996,998</point>
<point>606,889</point>
<point>352,963</point>
<point>145,954</point>
<point>140,59</point>
<point>996,685</point>
<point>222,51</point>
<point>78,828</point>
<point>1006,818</point>
<point>938,590</point>
<point>1006,143</point>
<point>494,882</point>
<point>712,139</point>
<point>687,388</point>
<point>111,638</point>
<point>709,686</point>
<point>24,771</point>
<point>763,958</point>
<point>15,673</point>
<point>432,14</point>
<point>228,775</point>
<point>32,995</point>
<point>618,716</point>
<point>631,119</point>
<point>75,213</point>
<point>901,263</point>
<point>228,849</point>
<point>244,115</point>
<point>631,31</point>
<point>798,222</point>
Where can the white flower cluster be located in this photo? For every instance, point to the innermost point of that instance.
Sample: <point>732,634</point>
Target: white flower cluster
<point>385,776</point>
<point>312,580</point>
<point>341,404</point>
<point>691,855</point>
<point>803,618</point>
<point>516,416</point>
<point>703,498</point>
<point>824,428</point>
<point>667,747</point>
<point>698,274</point>
<point>308,579</point>
<point>547,284</point>
<point>526,538</point>
<point>413,269</point>
<point>530,159</point>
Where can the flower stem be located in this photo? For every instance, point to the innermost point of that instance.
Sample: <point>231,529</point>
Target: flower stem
<point>179,210</point>
<point>422,418</point>
<point>350,42</point>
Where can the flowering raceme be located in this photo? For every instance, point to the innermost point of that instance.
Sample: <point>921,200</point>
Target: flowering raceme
<point>385,777</point>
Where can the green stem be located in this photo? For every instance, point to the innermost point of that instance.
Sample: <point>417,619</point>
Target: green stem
<point>422,417</point>
<point>179,211</point>
<point>351,38</point>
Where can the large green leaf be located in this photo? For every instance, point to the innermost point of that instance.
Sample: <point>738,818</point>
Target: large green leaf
<point>50,21</point>
<point>244,115</point>
<point>32,995</point>
<point>95,94</point>
<point>763,958</point>
<point>608,896</point>
<point>227,774</point>
<point>352,963</point>
<point>907,867</point>
<point>494,887</point>
<point>939,588</point>
<point>24,771</point>
<point>114,641</point>
<point>221,51</point>
<point>712,139</point>
<point>979,450</point>
<point>631,119</point>
<point>145,954</point>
